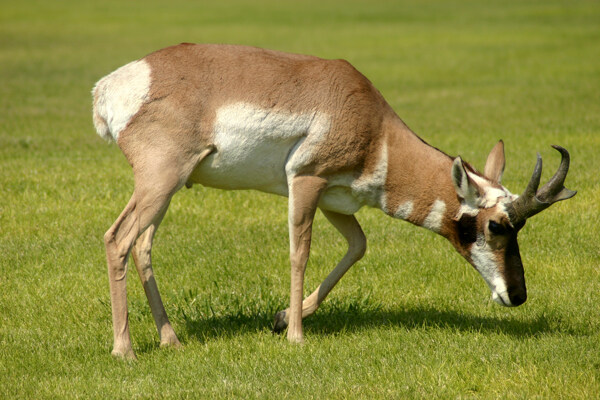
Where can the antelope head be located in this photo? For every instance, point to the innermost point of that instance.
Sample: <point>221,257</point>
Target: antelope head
<point>490,218</point>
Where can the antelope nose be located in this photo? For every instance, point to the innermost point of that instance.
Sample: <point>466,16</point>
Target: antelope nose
<point>517,297</point>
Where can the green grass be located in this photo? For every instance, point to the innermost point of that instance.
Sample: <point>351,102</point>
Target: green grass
<point>411,320</point>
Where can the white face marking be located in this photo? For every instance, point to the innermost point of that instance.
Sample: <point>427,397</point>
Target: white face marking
<point>436,215</point>
<point>260,148</point>
<point>486,264</point>
<point>369,189</point>
<point>502,208</point>
<point>491,195</point>
<point>119,96</point>
<point>404,210</point>
<point>468,210</point>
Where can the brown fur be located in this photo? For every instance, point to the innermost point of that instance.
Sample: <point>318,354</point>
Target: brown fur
<point>190,82</point>
<point>170,135</point>
<point>419,173</point>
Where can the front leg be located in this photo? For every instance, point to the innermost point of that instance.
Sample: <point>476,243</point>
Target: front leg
<point>304,195</point>
<point>348,226</point>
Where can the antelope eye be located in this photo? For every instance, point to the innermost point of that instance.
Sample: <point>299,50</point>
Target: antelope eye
<point>496,228</point>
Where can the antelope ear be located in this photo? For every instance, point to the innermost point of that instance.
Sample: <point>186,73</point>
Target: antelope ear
<point>494,166</point>
<point>465,187</point>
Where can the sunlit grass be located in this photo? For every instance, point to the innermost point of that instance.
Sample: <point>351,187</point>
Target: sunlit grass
<point>411,320</point>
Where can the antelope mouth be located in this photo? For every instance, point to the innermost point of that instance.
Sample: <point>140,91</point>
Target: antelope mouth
<point>506,299</point>
<point>502,298</point>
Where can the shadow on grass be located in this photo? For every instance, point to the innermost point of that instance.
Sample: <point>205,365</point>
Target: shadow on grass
<point>426,318</point>
<point>351,318</point>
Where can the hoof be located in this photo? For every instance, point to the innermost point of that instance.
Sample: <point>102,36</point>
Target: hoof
<point>172,343</point>
<point>168,338</point>
<point>127,354</point>
<point>279,324</point>
<point>296,339</point>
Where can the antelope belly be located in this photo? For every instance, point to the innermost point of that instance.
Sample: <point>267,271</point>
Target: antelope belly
<point>253,147</point>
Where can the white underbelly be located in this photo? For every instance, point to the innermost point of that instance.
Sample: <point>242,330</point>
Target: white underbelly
<point>260,167</point>
<point>255,147</point>
<point>335,198</point>
<point>260,149</point>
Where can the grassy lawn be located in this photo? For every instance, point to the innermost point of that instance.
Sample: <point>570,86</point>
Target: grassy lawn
<point>411,320</point>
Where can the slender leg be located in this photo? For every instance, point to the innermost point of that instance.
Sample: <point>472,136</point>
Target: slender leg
<point>348,226</point>
<point>147,206</point>
<point>304,194</point>
<point>156,180</point>
<point>117,253</point>
<point>143,262</point>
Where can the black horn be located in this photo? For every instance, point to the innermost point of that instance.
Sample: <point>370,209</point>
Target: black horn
<point>532,201</point>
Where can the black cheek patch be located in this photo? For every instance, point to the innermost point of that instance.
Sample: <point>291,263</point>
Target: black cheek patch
<point>466,227</point>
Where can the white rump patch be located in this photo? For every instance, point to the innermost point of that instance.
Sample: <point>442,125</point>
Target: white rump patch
<point>436,216</point>
<point>404,210</point>
<point>119,96</point>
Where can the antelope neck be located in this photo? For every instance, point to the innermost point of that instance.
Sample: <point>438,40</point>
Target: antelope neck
<point>418,185</point>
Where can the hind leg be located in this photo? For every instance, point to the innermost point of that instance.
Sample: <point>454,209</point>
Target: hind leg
<point>158,175</point>
<point>147,206</point>
<point>143,262</point>
<point>117,252</point>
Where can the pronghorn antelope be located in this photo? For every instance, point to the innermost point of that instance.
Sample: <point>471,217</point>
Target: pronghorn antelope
<point>314,130</point>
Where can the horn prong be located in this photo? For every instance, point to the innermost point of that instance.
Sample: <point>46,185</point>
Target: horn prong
<point>532,201</point>
<point>552,191</point>
<point>534,182</point>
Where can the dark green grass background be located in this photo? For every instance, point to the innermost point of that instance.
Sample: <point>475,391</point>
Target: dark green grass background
<point>411,320</point>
